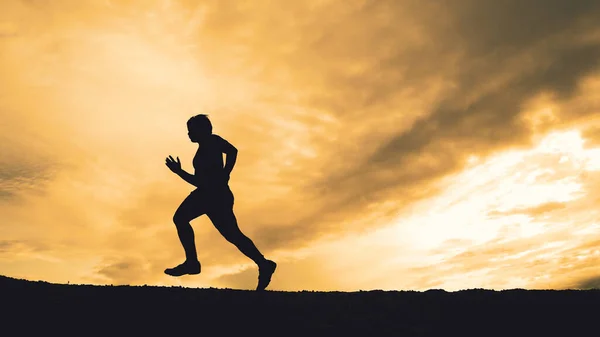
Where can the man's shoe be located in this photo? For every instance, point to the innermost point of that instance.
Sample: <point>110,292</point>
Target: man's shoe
<point>186,268</point>
<point>265,271</point>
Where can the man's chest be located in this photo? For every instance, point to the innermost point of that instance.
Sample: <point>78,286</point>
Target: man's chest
<point>206,157</point>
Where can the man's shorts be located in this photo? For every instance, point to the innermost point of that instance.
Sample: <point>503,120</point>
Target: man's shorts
<point>212,199</point>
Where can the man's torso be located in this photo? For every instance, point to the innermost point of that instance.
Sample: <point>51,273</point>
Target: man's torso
<point>208,164</point>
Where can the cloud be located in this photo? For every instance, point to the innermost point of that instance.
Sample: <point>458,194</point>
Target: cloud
<point>26,250</point>
<point>292,275</point>
<point>460,126</point>
<point>125,271</point>
<point>535,211</point>
<point>593,283</point>
<point>384,145</point>
<point>17,178</point>
<point>557,250</point>
<point>8,29</point>
<point>592,136</point>
<point>346,114</point>
<point>17,246</point>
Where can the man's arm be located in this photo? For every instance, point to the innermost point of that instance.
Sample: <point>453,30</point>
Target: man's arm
<point>230,154</point>
<point>175,167</point>
<point>230,158</point>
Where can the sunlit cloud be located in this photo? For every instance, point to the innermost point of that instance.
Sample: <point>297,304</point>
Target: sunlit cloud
<point>497,218</point>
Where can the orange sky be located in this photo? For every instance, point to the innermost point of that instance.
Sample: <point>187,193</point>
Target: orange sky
<point>383,144</point>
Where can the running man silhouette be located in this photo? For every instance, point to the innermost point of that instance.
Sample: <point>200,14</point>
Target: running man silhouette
<point>212,197</point>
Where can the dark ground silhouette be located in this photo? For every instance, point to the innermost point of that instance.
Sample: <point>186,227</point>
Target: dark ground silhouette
<point>83,310</point>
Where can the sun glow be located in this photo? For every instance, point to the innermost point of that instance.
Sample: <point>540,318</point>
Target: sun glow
<point>499,200</point>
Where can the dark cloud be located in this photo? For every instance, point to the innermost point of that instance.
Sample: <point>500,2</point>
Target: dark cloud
<point>6,245</point>
<point>454,130</point>
<point>22,177</point>
<point>488,27</point>
<point>125,271</point>
<point>590,283</point>
<point>246,279</point>
<point>21,246</point>
<point>27,163</point>
<point>507,53</point>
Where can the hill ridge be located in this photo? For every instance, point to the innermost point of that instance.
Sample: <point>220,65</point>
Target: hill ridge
<point>152,310</point>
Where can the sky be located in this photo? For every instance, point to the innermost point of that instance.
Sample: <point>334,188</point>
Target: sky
<point>392,144</point>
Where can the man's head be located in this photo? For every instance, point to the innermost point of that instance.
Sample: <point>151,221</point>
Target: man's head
<point>199,127</point>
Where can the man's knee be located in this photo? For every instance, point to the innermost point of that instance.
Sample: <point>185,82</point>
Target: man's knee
<point>180,219</point>
<point>235,236</point>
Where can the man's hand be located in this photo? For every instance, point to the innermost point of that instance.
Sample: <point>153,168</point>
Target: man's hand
<point>173,165</point>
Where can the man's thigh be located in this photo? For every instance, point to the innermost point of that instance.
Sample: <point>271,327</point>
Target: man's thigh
<point>193,206</point>
<point>220,213</point>
<point>225,222</point>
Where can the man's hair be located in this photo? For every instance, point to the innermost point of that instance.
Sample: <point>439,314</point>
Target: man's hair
<point>201,122</point>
